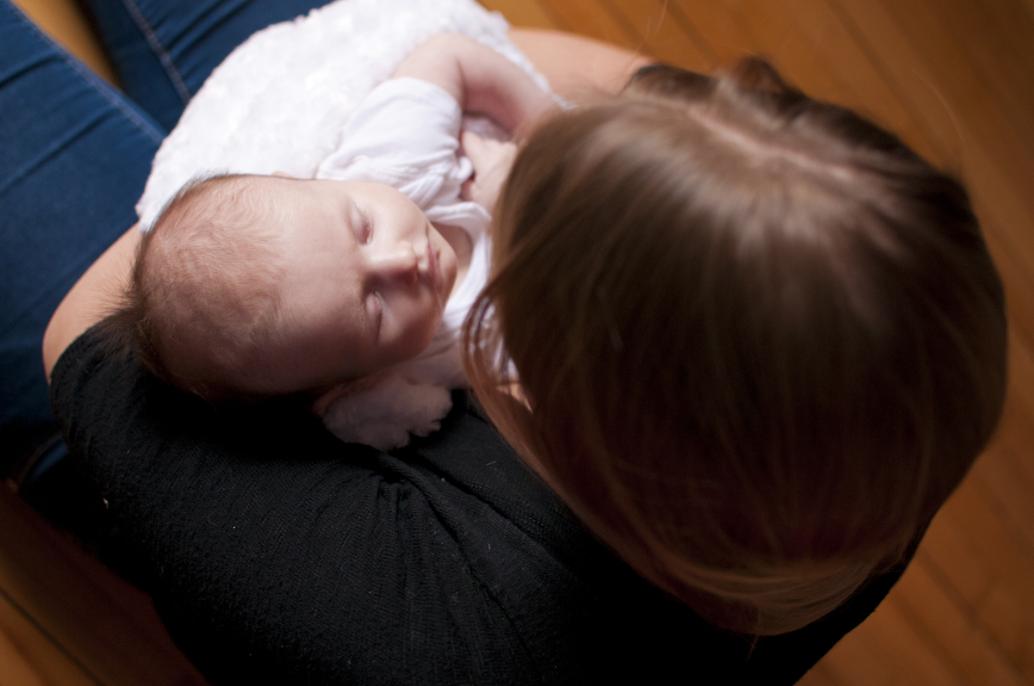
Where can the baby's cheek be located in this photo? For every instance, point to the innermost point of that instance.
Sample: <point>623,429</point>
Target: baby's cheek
<point>415,333</point>
<point>431,321</point>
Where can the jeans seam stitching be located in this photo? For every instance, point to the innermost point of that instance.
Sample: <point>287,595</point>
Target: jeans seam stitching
<point>160,51</point>
<point>96,84</point>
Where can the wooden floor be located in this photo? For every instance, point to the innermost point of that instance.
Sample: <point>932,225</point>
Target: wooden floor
<point>956,79</point>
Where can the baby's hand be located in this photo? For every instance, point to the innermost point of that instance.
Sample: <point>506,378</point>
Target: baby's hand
<point>383,411</point>
<point>426,408</point>
<point>492,161</point>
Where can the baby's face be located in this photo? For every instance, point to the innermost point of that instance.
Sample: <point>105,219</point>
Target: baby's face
<point>367,276</point>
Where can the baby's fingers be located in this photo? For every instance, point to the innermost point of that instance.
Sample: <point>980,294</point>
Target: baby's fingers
<point>474,146</point>
<point>492,160</point>
<point>486,153</point>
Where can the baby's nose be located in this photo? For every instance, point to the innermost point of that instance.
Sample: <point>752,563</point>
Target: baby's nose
<point>403,262</point>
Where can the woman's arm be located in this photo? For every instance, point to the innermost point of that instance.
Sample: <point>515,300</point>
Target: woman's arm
<point>575,66</point>
<point>484,81</point>
<point>90,299</point>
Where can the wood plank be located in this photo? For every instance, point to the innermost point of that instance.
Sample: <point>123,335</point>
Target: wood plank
<point>522,13</point>
<point>822,41</point>
<point>28,657</point>
<point>661,33</point>
<point>986,564</point>
<point>946,546</point>
<point>102,622</point>
<point>890,651</point>
<point>994,38</point>
<point>1010,488</point>
<point>814,48</point>
<point>1015,435</point>
<point>64,22</point>
<point>1010,618</point>
<point>855,660</point>
<point>718,29</point>
<point>775,32</point>
<point>963,644</point>
<point>588,18</point>
<point>14,667</point>
<point>820,675</point>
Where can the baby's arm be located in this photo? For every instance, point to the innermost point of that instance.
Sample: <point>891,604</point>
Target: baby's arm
<point>480,79</point>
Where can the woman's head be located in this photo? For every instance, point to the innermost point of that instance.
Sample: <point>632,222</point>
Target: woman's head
<point>760,340</point>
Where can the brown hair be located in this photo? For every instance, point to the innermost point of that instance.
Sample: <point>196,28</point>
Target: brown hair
<point>203,298</point>
<point>759,340</point>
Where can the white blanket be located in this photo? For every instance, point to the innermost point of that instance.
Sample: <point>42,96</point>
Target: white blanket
<point>279,101</point>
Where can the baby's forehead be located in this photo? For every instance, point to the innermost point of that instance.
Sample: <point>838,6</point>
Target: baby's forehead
<point>234,189</point>
<point>247,199</point>
<point>207,201</point>
<point>218,225</point>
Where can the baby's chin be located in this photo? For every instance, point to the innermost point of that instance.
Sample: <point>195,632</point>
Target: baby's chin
<point>413,342</point>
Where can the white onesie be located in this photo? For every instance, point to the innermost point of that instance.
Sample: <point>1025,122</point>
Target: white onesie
<point>405,133</point>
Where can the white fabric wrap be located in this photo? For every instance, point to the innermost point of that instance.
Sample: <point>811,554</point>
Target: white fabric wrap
<point>280,100</point>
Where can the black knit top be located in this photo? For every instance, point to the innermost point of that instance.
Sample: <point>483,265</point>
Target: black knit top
<point>276,554</point>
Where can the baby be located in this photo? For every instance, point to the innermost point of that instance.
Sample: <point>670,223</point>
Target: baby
<point>349,288</point>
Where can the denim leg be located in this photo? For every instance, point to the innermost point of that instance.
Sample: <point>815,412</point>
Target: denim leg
<point>163,50</point>
<point>74,155</point>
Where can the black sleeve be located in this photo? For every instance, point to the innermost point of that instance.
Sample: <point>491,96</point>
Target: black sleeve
<point>276,554</point>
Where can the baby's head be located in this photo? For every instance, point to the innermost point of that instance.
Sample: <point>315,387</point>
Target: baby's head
<point>251,286</point>
<point>760,339</point>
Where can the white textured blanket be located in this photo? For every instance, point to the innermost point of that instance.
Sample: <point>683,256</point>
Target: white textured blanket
<point>280,99</point>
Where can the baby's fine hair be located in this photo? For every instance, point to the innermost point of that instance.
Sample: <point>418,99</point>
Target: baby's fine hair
<point>760,340</point>
<point>203,300</point>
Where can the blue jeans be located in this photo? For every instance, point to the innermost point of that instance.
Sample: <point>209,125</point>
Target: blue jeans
<point>74,156</point>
